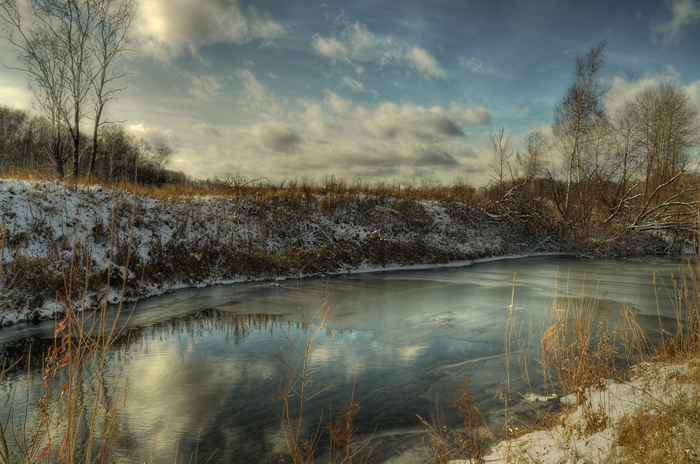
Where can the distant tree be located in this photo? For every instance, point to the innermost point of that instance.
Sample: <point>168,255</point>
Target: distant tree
<point>13,128</point>
<point>501,160</point>
<point>533,160</point>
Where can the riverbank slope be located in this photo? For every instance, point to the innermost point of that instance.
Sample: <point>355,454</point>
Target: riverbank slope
<point>96,242</point>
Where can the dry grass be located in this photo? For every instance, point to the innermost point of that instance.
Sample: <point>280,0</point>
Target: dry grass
<point>465,444</point>
<point>332,189</point>
<point>295,388</point>
<point>78,412</point>
<point>668,430</point>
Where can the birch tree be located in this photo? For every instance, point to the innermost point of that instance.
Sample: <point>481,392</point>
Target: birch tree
<point>68,48</point>
<point>663,135</point>
<point>578,117</point>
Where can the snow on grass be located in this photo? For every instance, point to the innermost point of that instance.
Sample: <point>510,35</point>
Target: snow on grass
<point>591,431</point>
<point>207,240</point>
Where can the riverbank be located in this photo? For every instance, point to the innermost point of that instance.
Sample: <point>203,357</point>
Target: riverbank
<point>112,245</point>
<point>652,417</point>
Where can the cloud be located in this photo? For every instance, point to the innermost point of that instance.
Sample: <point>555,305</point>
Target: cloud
<point>319,122</point>
<point>354,85</point>
<point>356,43</point>
<point>622,89</point>
<point>330,48</point>
<point>255,95</point>
<point>389,121</point>
<point>205,88</point>
<point>337,136</point>
<point>14,91</point>
<point>465,116</point>
<point>155,135</point>
<point>275,136</point>
<point>208,130</point>
<point>254,90</point>
<point>683,13</point>
<point>477,66</point>
<point>166,28</point>
<point>359,37</point>
<point>424,62</point>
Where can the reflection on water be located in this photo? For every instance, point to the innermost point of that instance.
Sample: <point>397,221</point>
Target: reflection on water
<point>202,362</point>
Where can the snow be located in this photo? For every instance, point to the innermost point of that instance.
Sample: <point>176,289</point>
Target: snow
<point>652,387</point>
<point>50,220</point>
<point>208,240</point>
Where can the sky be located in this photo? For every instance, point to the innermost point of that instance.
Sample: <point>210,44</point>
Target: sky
<point>382,90</point>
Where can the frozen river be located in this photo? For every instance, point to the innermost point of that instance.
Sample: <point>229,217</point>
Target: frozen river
<point>202,362</point>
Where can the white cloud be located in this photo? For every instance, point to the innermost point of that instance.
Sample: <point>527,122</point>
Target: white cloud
<point>155,135</point>
<point>319,123</point>
<point>390,121</point>
<point>477,66</point>
<point>355,43</point>
<point>165,28</point>
<point>424,62</point>
<point>359,37</point>
<point>205,88</point>
<point>330,48</point>
<point>683,13</point>
<point>255,96</point>
<point>341,106</point>
<point>14,91</point>
<point>208,130</point>
<point>354,85</point>
<point>622,89</point>
<point>388,141</point>
<point>254,89</point>
<point>466,116</point>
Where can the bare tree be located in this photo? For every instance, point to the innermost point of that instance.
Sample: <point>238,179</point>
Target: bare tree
<point>502,154</point>
<point>109,40</point>
<point>534,160</point>
<point>67,49</point>
<point>42,59</point>
<point>578,116</point>
<point>661,128</point>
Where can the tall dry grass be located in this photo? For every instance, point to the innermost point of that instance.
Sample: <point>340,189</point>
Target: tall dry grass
<point>82,394</point>
<point>295,389</point>
<point>78,412</point>
<point>583,346</point>
<point>668,429</point>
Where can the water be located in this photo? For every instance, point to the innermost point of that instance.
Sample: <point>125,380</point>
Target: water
<point>203,362</point>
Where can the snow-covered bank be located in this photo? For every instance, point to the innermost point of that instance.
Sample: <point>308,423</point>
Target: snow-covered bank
<point>611,421</point>
<point>103,234</point>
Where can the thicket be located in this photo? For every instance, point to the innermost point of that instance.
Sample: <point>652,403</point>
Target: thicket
<point>26,143</point>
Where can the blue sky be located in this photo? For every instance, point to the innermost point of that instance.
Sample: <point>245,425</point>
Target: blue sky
<point>387,90</point>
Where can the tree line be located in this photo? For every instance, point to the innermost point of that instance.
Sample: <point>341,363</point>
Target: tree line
<point>636,166</point>
<point>27,142</point>
<point>68,51</point>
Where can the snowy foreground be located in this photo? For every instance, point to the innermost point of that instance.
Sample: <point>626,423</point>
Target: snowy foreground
<point>590,432</point>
